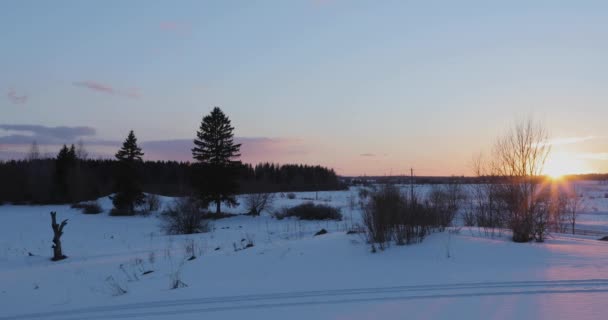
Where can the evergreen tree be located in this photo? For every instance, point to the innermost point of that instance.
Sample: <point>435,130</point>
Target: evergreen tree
<point>215,150</point>
<point>127,189</point>
<point>66,160</point>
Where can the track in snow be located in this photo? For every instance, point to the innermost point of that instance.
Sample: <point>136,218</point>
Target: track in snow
<point>321,297</point>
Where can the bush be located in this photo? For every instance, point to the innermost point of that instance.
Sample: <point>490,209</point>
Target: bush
<point>291,196</point>
<point>444,201</point>
<point>120,212</point>
<point>258,202</point>
<point>310,211</point>
<point>150,204</point>
<point>184,216</point>
<point>91,207</point>
<point>390,216</point>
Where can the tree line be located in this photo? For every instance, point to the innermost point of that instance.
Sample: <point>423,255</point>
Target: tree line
<point>72,177</point>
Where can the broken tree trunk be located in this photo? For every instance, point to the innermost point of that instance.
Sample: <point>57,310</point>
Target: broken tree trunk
<point>57,232</point>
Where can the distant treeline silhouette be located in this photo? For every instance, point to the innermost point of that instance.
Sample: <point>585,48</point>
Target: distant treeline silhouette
<point>67,179</point>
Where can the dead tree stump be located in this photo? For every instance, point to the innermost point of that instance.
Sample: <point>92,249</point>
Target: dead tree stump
<point>57,232</point>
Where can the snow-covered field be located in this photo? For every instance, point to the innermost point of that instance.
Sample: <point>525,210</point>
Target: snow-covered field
<point>291,274</point>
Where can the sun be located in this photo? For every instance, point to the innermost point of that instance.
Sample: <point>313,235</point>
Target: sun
<point>560,164</point>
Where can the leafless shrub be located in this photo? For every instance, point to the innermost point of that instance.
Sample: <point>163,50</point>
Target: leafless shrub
<point>116,289</point>
<point>130,274</point>
<point>184,216</point>
<point>245,243</point>
<point>352,202</point>
<point>574,205</point>
<point>176,279</point>
<point>152,202</point>
<point>258,202</point>
<point>310,211</point>
<point>391,216</point>
<point>190,249</point>
<point>516,167</point>
<point>444,201</point>
<point>468,215</point>
<point>565,205</point>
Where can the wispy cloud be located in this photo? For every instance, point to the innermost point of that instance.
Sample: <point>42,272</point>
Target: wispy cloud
<point>19,137</point>
<point>367,155</point>
<point>569,140</point>
<point>17,134</point>
<point>104,88</point>
<point>15,98</point>
<point>175,27</point>
<point>594,156</point>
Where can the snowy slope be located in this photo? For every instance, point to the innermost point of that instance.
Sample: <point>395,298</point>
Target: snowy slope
<point>289,273</point>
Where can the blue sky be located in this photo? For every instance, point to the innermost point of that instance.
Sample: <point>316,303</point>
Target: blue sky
<point>369,87</point>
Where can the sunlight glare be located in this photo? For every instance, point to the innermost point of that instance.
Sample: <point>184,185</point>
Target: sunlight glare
<point>561,163</point>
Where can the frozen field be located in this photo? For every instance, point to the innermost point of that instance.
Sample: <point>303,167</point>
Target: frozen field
<point>291,274</point>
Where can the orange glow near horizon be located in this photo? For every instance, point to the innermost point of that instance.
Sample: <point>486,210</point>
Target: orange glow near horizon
<point>561,163</point>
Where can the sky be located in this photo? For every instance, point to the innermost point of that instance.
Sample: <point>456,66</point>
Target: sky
<point>365,87</point>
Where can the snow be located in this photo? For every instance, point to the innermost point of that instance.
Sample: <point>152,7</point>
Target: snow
<point>464,273</point>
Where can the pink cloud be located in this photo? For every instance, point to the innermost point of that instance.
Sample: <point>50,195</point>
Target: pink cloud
<point>175,27</point>
<point>15,98</point>
<point>100,87</point>
<point>319,3</point>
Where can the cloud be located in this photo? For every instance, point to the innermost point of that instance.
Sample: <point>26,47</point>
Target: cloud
<point>15,98</point>
<point>568,140</point>
<point>594,156</point>
<point>175,27</point>
<point>253,149</point>
<point>25,134</point>
<point>367,155</point>
<point>104,88</point>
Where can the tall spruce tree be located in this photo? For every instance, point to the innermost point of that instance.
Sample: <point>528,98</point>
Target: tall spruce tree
<point>218,168</point>
<point>128,191</point>
<point>64,163</point>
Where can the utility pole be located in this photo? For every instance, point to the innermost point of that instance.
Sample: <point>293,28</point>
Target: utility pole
<point>411,184</point>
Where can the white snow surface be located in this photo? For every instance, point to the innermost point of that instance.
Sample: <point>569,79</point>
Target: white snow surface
<point>464,273</point>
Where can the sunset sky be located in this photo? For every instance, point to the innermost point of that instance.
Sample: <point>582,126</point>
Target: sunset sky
<point>365,87</point>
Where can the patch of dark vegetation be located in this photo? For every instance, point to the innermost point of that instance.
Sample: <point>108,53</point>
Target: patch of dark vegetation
<point>90,207</point>
<point>310,211</point>
<point>605,238</point>
<point>184,216</point>
<point>215,216</point>
<point>321,232</point>
<point>392,217</point>
<point>120,213</point>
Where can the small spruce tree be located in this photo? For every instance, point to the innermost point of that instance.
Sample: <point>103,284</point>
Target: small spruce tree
<point>127,190</point>
<point>216,179</point>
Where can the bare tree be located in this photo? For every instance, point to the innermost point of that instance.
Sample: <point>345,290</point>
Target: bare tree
<point>574,205</point>
<point>34,152</point>
<point>517,164</point>
<point>258,202</point>
<point>57,233</point>
<point>81,152</point>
